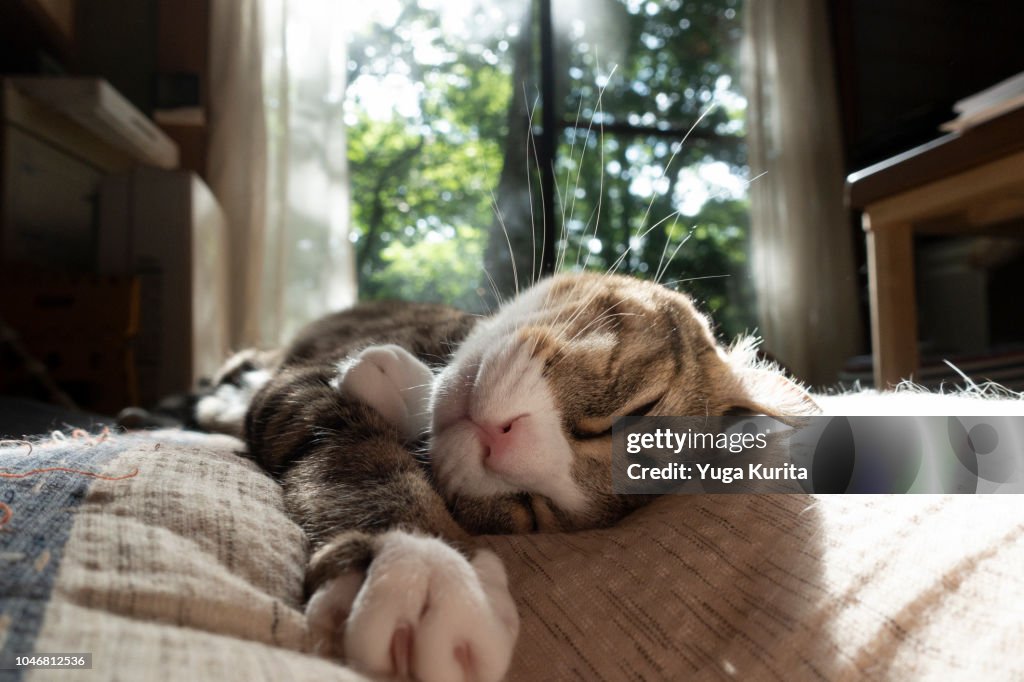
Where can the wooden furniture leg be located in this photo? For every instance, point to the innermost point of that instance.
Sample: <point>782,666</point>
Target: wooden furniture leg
<point>893,301</point>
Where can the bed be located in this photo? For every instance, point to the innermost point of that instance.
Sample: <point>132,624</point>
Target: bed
<point>167,555</point>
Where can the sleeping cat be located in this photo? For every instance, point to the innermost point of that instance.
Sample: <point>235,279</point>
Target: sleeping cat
<point>514,412</point>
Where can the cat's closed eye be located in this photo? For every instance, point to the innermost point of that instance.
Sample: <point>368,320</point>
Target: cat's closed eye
<point>645,409</point>
<point>592,429</point>
<point>579,434</point>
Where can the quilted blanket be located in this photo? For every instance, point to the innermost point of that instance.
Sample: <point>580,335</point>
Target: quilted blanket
<point>167,555</point>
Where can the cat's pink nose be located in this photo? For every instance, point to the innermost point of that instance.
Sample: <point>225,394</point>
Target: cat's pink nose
<point>498,437</point>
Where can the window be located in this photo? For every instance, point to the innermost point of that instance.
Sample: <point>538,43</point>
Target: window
<point>455,157</point>
<point>651,122</point>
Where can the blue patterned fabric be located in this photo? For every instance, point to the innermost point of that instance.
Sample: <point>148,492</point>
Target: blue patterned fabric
<point>41,510</point>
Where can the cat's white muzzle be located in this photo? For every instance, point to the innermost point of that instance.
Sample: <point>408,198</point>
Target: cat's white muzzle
<point>497,429</point>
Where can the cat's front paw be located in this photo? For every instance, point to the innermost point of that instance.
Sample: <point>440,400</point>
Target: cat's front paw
<point>237,382</point>
<point>423,612</point>
<point>394,382</point>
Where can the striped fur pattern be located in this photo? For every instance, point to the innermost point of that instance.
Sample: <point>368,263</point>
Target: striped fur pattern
<point>515,421</point>
<point>555,367</point>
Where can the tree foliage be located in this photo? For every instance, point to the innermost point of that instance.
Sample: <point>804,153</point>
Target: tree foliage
<point>427,179</point>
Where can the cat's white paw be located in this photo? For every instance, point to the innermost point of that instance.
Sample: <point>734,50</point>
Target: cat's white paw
<point>423,612</point>
<point>223,411</point>
<point>392,381</point>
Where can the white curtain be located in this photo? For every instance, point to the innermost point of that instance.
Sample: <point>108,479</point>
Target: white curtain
<point>237,162</point>
<point>278,161</point>
<point>801,237</point>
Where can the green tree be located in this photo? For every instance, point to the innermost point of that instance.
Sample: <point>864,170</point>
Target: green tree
<point>436,185</point>
<point>660,65</point>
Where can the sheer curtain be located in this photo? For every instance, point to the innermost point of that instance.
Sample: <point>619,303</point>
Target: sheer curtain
<point>278,161</point>
<point>801,240</point>
<point>236,167</point>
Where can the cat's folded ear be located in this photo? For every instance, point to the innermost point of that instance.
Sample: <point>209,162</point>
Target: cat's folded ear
<point>769,392</point>
<point>752,387</point>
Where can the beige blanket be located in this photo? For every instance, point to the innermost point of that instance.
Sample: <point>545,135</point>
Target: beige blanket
<point>189,569</point>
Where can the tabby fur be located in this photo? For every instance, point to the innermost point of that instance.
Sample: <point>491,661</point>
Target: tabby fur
<point>517,435</point>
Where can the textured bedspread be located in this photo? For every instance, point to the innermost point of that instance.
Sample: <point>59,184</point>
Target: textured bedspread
<point>178,562</point>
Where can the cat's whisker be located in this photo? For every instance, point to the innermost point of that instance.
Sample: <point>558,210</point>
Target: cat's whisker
<point>599,321</point>
<point>585,244</point>
<point>494,288</point>
<point>638,240</point>
<point>668,263</point>
<point>583,305</point>
<point>556,323</point>
<point>563,324</point>
<point>586,140</point>
<point>664,249</point>
<point>564,327</point>
<point>600,190</point>
<point>529,188</point>
<point>596,212</point>
<point>563,235</point>
<point>694,279</point>
<point>508,240</point>
<point>572,150</point>
<point>747,183</point>
<point>675,152</point>
<point>564,197</point>
<point>663,268</point>
<point>487,305</point>
<point>572,206</point>
<point>536,342</point>
<point>663,265</point>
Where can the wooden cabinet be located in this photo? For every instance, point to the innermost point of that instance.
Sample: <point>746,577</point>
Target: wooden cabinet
<point>961,184</point>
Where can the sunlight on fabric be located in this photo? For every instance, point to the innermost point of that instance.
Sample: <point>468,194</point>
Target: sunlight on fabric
<point>915,575</point>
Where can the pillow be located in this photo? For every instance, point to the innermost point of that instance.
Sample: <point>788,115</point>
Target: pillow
<point>182,559</point>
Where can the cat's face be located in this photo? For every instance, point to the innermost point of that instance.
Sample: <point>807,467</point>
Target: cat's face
<point>522,415</point>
